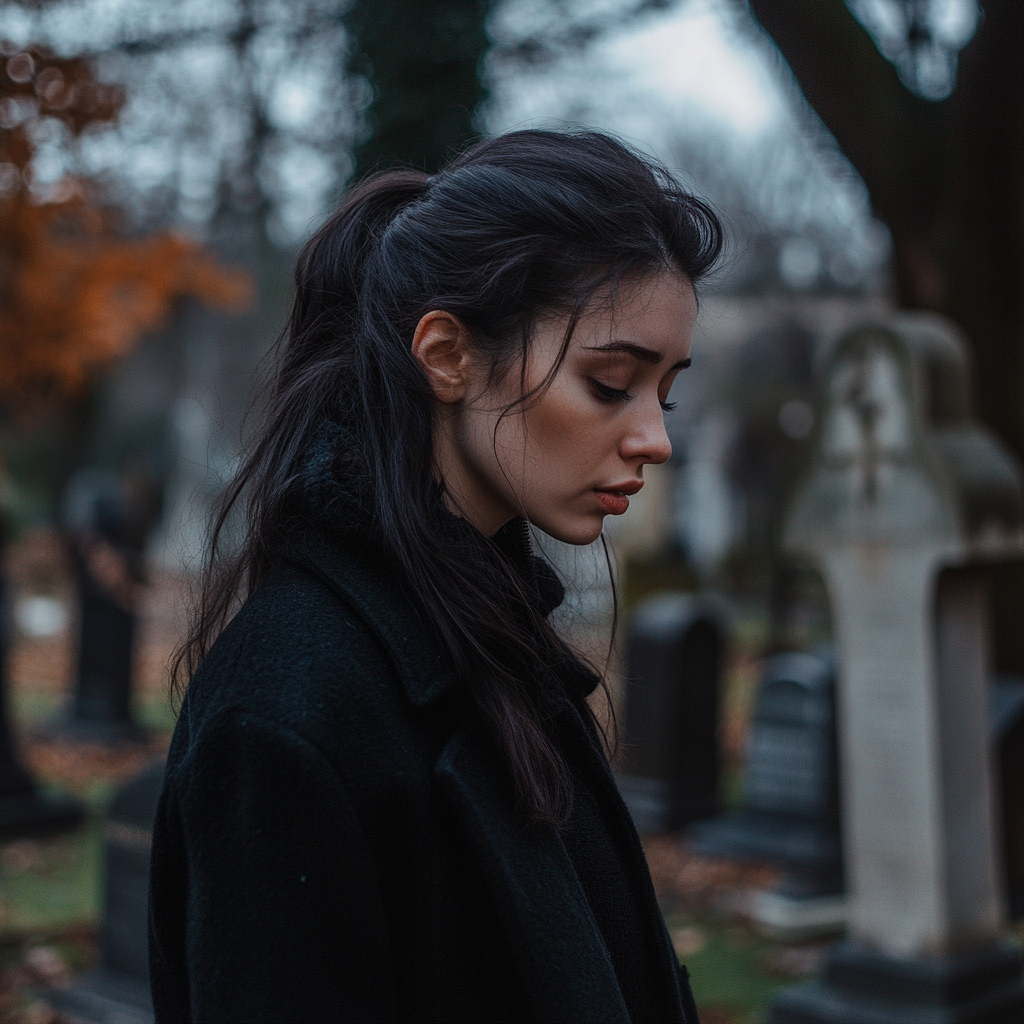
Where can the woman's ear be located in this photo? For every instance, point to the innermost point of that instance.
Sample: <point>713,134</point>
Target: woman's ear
<point>441,346</point>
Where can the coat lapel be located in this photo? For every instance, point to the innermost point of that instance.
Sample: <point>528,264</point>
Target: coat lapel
<point>607,793</point>
<point>550,929</point>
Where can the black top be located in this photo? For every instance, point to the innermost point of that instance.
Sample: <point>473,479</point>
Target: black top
<point>337,838</point>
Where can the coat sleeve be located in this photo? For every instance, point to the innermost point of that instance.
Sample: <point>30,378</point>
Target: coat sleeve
<point>264,901</point>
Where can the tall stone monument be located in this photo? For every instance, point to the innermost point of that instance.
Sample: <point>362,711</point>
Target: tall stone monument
<point>903,502</point>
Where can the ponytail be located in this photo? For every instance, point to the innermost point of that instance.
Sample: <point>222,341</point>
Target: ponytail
<point>329,270</point>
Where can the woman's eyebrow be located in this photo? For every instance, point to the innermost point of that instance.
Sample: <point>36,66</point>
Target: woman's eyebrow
<point>644,355</point>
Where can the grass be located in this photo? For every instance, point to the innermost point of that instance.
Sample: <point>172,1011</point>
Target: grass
<point>728,974</point>
<point>51,884</point>
<point>33,709</point>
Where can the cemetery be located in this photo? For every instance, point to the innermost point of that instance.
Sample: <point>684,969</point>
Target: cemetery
<point>863,783</point>
<point>816,690</point>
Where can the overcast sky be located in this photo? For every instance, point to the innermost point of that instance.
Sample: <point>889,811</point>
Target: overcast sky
<point>702,88</point>
<point>694,85</point>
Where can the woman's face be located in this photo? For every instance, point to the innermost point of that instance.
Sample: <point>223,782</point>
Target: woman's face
<point>575,453</point>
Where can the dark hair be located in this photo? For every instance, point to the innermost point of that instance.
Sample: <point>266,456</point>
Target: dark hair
<point>527,224</point>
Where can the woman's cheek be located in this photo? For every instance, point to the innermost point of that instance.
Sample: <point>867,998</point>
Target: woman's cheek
<point>569,420</point>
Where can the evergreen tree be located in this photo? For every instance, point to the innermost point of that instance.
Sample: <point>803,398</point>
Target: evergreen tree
<point>421,59</point>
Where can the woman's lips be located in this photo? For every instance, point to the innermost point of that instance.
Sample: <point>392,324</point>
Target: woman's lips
<point>615,500</point>
<point>614,503</point>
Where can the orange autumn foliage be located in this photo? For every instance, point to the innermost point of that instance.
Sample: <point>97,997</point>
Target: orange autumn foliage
<point>74,292</point>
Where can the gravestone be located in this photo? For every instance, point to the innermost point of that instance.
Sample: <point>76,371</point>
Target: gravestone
<point>106,548</point>
<point>790,763</point>
<point>790,814</point>
<point>902,502</point>
<point>117,992</point>
<point>24,811</point>
<point>669,771</point>
<point>1007,723</point>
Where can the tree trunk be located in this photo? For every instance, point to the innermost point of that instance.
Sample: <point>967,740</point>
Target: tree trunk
<point>946,177</point>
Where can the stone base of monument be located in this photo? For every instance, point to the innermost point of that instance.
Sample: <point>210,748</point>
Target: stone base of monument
<point>859,986</point>
<point>798,918</point>
<point>802,905</point>
<point>29,813</point>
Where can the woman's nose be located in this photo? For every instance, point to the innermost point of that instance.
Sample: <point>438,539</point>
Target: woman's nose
<point>647,440</point>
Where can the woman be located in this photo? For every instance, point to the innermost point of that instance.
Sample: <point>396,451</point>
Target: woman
<point>386,798</point>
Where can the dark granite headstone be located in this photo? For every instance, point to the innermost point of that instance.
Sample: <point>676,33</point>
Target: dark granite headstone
<point>669,770</point>
<point>105,544</point>
<point>790,816</point>
<point>102,699</point>
<point>117,992</point>
<point>1007,721</point>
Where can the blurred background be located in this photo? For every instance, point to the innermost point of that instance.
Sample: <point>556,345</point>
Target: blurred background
<point>159,166</point>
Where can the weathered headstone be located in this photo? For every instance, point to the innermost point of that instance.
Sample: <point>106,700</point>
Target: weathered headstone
<point>791,754</point>
<point>98,517</point>
<point>790,815</point>
<point>903,499</point>
<point>669,773</point>
<point>23,809</point>
<point>118,990</point>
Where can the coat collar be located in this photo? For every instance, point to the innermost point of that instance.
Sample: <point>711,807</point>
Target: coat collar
<point>363,577</point>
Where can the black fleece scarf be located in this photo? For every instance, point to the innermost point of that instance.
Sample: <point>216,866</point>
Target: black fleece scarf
<point>337,493</point>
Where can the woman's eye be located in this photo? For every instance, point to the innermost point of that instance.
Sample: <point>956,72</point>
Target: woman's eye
<point>609,394</point>
<point>667,406</point>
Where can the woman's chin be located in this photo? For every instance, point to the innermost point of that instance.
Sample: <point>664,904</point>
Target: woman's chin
<point>578,531</point>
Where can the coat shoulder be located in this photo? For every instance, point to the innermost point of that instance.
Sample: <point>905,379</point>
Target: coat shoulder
<point>297,655</point>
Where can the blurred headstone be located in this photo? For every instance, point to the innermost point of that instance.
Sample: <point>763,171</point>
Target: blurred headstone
<point>117,992</point>
<point>106,537</point>
<point>902,501</point>
<point>790,815</point>
<point>1007,722</point>
<point>24,810</point>
<point>788,766</point>
<point>669,774</point>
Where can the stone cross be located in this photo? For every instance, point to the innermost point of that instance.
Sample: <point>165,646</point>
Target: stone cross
<point>903,500</point>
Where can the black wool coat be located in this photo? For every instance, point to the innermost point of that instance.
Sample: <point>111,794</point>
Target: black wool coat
<point>337,839</point>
